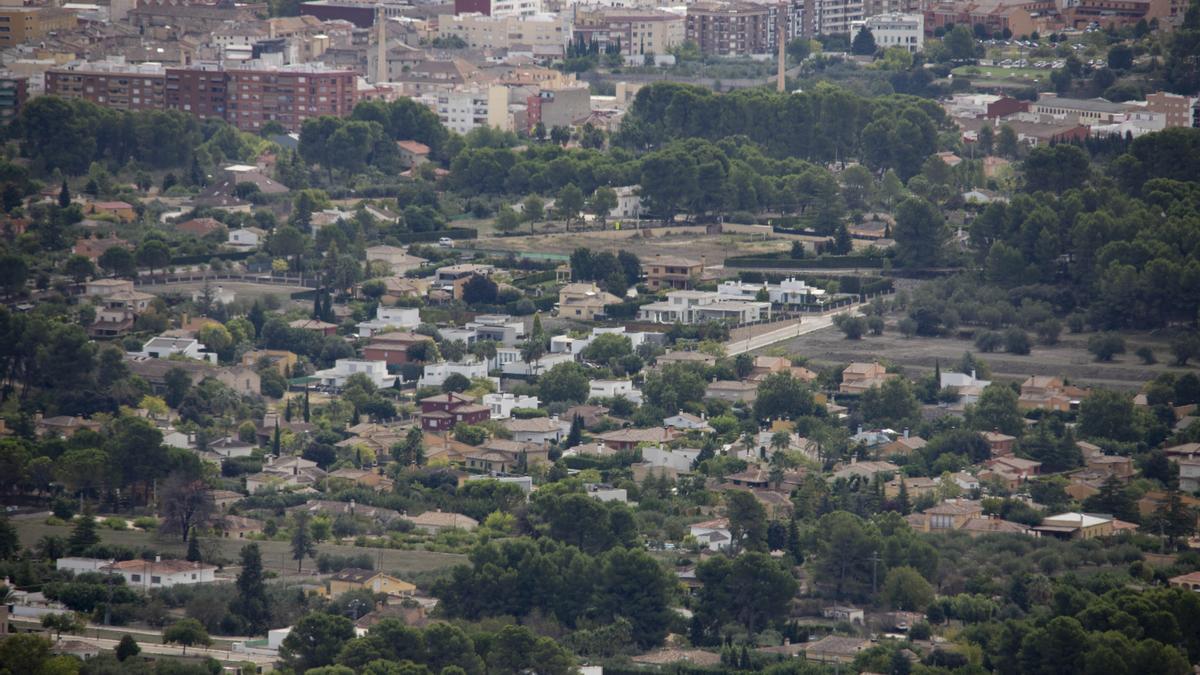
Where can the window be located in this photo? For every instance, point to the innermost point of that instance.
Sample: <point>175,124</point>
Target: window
<point>156,580</point>
<point>135,577</point>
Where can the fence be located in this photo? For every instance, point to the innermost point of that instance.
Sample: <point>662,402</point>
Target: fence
<point>201,277</point>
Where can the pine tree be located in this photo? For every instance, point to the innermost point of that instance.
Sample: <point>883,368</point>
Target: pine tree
<point>251,602</point>
<point>795,547</point>
<point>84,535</point>
<point>127,647</point>
<point>193,551</point>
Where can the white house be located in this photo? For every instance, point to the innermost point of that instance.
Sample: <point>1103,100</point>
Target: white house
<point>968,387</point>
<point>537,367</point>
<point>502,404</point>
<point>523,482</point>
<point>712,534</point>
<point>540,430</point>
<point>629,202</point>
<point>81,565</point>
<point>679,459</point>
<point>906,31</point>
<point>613,389</point>
<point>435,374</point>
<point>159,573</point>
<point>390,318</point>
<point>689,307</point>
<point>501,328</point>
<point>565,344</point>
<point>165,347</point>
<point>246,238</point>
<point>787,292</point>
<point>343,368</point>
<point>399,259</point>
<point>687,422</point>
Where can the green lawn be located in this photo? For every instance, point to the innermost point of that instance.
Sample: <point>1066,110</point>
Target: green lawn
<point>276,554</point>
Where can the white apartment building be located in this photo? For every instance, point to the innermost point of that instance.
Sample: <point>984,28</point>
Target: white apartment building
<point>435,374</point>
<point>690,307</point>
<point>344,368</point>
<point>825,17</point>
<point>469,108</point>
<point>502,404</point>
<point>390,318</point>
<point>895,30</point>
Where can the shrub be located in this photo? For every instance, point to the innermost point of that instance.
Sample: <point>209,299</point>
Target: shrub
<point>145,523</point>
<point>1048,331</point>
<point>1146,354</point>
<point>1106,345</point>
<point>1016,341</point>
<point>115,523</point>
<point>989,341</point>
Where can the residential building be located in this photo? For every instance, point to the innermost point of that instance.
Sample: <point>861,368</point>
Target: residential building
<point>1188,582</point>
<point>113,84</point>
<point>1084,111</point>
<point>1178,111</point>
<point>442,412</point>
<point>396,257</point>
<point>867,470</point>
<point>288,96</point>
<point>22,25</point>
<point>734,391</point>
<point>636,31</point>
<point>712,534</point>
<point>1001,444</point>
<point>122,211</point>
<point>389,319</point>
<point>246,237</point>
<point>564,107</point>
<point>835,649</point>
<point>435,374</point>
<point>671,271</point>
<point>314,325</point>
<point>165,347</point>
<point>729,28</point>
<point>343,369</point>
<point>609,389</point>
<point>690,307</point>
<point>159,573</point>
<point>906,31</point>
<point>790,292</point>
<point>843,614</point>
<point>502,404</point>
<point>279,359</point>
<point>412,154</point>
<point>354,579</point>
<point>434,522</point>
<point>811,18</point>
<point>630,439</point>
<point>1075,525</point>
<point>857,378</point>
<point>677,459</point>
<point>395,348</point>
<point>1049,393</point>
<point>14,92</point>
<point>500,328</point>
<point>1189,474</point>
<point>480,31</point>
<point>78,565</point>
<point>584,301</point>
<point>462,110</point>
<point>539,430</point>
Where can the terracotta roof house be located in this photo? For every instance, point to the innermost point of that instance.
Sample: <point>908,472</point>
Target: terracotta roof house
<point>835,649</point>
<point>859,377</point>
<point>628,439</point>
<point>200,227</point>
<point>436,521</point>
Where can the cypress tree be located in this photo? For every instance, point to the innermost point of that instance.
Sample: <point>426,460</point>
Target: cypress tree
<point>64,195</point>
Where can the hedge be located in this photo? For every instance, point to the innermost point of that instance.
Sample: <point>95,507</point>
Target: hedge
<point>833,262</point>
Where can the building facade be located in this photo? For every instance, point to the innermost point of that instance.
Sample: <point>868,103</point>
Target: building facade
<point>729,29</point>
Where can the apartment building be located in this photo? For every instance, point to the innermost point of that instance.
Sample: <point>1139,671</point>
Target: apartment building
<point>480,31</point>
<point>729,28</point>
<point>471,107</point>
<point>906,31</point>
<point>287,96</point>
<point>20,25</point>
<point>201,91</point>
<point>1180,111</point>
<point>14,91</point>
<point>636,31</point>
<point>116,85</point>
<point>829,17</point>
<point>558,107</point>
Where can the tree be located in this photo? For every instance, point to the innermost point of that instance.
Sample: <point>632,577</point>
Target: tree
<point>906,590</point>
<point>186,503</point>
<point>315,641</point>
<point>153,254</point>
<point>83,535</point>
<point>64,195</point>
<point>864,43</point>
<point>1106,345</point>
<point>1175,521</point>
<point>65,622</point>
<point>1120,57</point>
<point>781,396</point>
<point>79,268</point>
<point>920,233</point>
<point>996,410</point>
<point>575,435</point>
<point>533,209</point>
<point>959,43</point>
<point>566,382</point>
<point>1057,648</point>
<point>986,138</point>
<point>187,633</point>
<point>1008,144</point>
<point>891,405</point>
<point>251,603</point>
<point>751,590</point>
<point>568,203</point>
<point>747,521</point>
<point>479,290</point>
<point>118,261</point>
<point>1056,168</point>
<point>604,200</point>
<point>10,542</point>
<point>1107,414</point>
<point>127,647</point>
<point>507,219</point>
<point>303,545</point>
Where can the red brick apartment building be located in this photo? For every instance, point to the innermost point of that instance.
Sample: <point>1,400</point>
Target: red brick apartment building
<point>247,99</point>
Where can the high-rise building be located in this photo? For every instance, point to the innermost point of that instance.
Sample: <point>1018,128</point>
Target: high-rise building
<point>637,31</point>
<point>729,28</point>
<point>199,90</point>
<point>116,85</point>
<point>287,96</point>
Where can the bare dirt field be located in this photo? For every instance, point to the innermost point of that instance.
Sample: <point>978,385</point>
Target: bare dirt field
<point>918,355</point>
<point>243,290</point>
<point>692,241</point>
<point>276,555</point>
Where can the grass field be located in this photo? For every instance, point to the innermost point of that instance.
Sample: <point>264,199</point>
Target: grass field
<point>1000,73</point>
<point>276,555</point>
